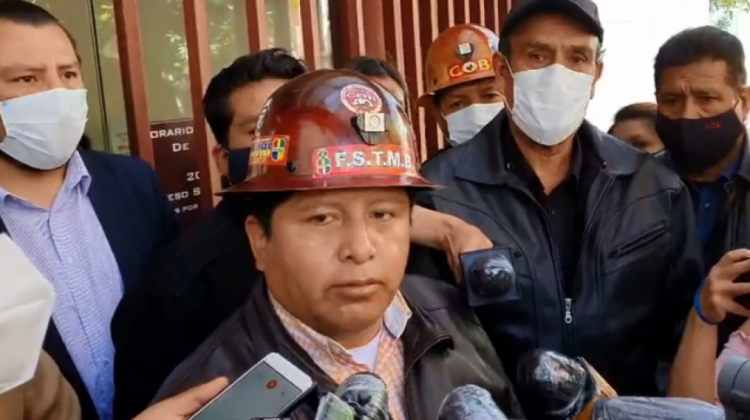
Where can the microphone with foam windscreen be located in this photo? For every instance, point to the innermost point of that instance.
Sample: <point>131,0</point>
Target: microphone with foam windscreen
<point>362,396</point>
<point>367,394</point>
<point>644,408</point>
<point>332,408</point>
<point>469,402</point>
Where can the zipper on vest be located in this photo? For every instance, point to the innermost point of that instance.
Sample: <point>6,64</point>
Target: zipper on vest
<point>568,319</point>
<point>562,289</point>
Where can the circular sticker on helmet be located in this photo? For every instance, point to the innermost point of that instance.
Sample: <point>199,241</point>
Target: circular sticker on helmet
<point>262,117</point>
<point>361,99</point>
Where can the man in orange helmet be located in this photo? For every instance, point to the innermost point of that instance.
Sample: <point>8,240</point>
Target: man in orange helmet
<point>328,199</point>
<point>461,90</point>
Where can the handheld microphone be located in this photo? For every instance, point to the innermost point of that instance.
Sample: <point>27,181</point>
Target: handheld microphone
<point>643,408</point>
<point>332,408</point>
<point>556,387</point>
<point>362,396</point>
<point>734,387</point>
<point>367,394</point>
<point>469,402</point>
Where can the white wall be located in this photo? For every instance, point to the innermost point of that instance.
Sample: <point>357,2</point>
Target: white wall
<point>633,32</point>
<point>740,26</point>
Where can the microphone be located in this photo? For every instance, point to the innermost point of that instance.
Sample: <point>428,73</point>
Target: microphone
<point>734,386</point>
<point>332,408</point>
<point>362,396</point>
<point>643,408</point>
<point>552,386</point>
<point>469,402</point>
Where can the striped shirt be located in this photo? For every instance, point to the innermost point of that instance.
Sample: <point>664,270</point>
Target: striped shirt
<point>339,364</point>
<point>67,244</point>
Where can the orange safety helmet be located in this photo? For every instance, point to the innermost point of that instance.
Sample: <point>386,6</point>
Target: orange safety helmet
<point>460,54</point>
<point>331,129</point>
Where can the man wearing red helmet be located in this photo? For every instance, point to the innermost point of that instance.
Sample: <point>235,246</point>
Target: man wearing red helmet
<point>328,198</point>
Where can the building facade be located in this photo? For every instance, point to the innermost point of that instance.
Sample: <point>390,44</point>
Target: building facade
<point>147,63</point>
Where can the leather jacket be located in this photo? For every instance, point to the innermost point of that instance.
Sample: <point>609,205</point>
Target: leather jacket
<point>639,266</point>
<point>444,348</point>
<point>732,228</point>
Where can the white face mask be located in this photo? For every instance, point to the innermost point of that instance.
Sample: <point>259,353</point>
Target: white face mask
<point>26,305</point>
<point>44,129</point>
<point>464,124</point>
<point>550,103</point>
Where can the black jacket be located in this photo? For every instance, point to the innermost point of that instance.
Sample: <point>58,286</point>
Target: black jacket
<point>444,348</point>
<point>195,284</point>
<point>639,267</point>
<point>732,228</point>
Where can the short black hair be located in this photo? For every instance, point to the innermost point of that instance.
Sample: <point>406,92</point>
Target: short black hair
<point>27,13</point>
<point>638,111</point>
<point>701,43</point>
<point>375,67</point>
<point>275,63</point>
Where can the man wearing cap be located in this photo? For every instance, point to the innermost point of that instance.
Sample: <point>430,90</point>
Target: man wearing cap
<point>329,196</point>
<point>461,90</point>
<point>601,236</point>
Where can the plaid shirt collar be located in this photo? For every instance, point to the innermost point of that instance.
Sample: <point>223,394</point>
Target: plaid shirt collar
<point>394,320</point>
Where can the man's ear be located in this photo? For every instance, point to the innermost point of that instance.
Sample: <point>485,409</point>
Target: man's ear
<point>500,67</point>
<point>745,103</point>
<point>597,75</point>
<point>430,107</point>
<point>258,238</point>
<point>221,158</point>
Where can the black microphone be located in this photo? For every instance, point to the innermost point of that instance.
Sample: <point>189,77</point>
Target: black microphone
<point>469,402</point>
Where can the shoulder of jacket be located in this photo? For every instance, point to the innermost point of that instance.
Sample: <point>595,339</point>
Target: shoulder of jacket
<point>441,167</point>
<point>661,173</point>
<point>210,360</point>
<point>116,162</point>
<point>431,294</point>
<point>655,169</point>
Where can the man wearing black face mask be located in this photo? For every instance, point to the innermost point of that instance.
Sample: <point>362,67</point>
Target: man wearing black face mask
<point>703,101</point>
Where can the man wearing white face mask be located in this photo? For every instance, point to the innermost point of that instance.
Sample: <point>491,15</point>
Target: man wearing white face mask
<point>600,235</point>
<point>461,90</point>
<point>88,221</point>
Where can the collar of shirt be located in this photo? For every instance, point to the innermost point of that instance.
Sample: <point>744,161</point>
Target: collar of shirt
<point>76,176</point>
<point>394,321</point>
<point>516,162</point>
<point>709,196</point>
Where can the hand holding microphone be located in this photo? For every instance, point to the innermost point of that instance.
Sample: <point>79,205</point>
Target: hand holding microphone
<point>469,402</point>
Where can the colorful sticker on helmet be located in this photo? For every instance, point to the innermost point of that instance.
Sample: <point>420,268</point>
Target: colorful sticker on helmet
<point>357,160</point>
<point>269,151</point>
<point>262,116</point>
<point>360,99</point>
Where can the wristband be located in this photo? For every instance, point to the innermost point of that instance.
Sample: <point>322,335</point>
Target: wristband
<point>699,307</point>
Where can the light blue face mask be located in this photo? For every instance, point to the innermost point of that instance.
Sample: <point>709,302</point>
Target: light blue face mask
<point>43,129</point>
<point>464,124</point>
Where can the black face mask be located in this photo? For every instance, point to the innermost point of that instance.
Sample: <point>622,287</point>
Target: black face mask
<point>238,161</point>
<point>695,145</point>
